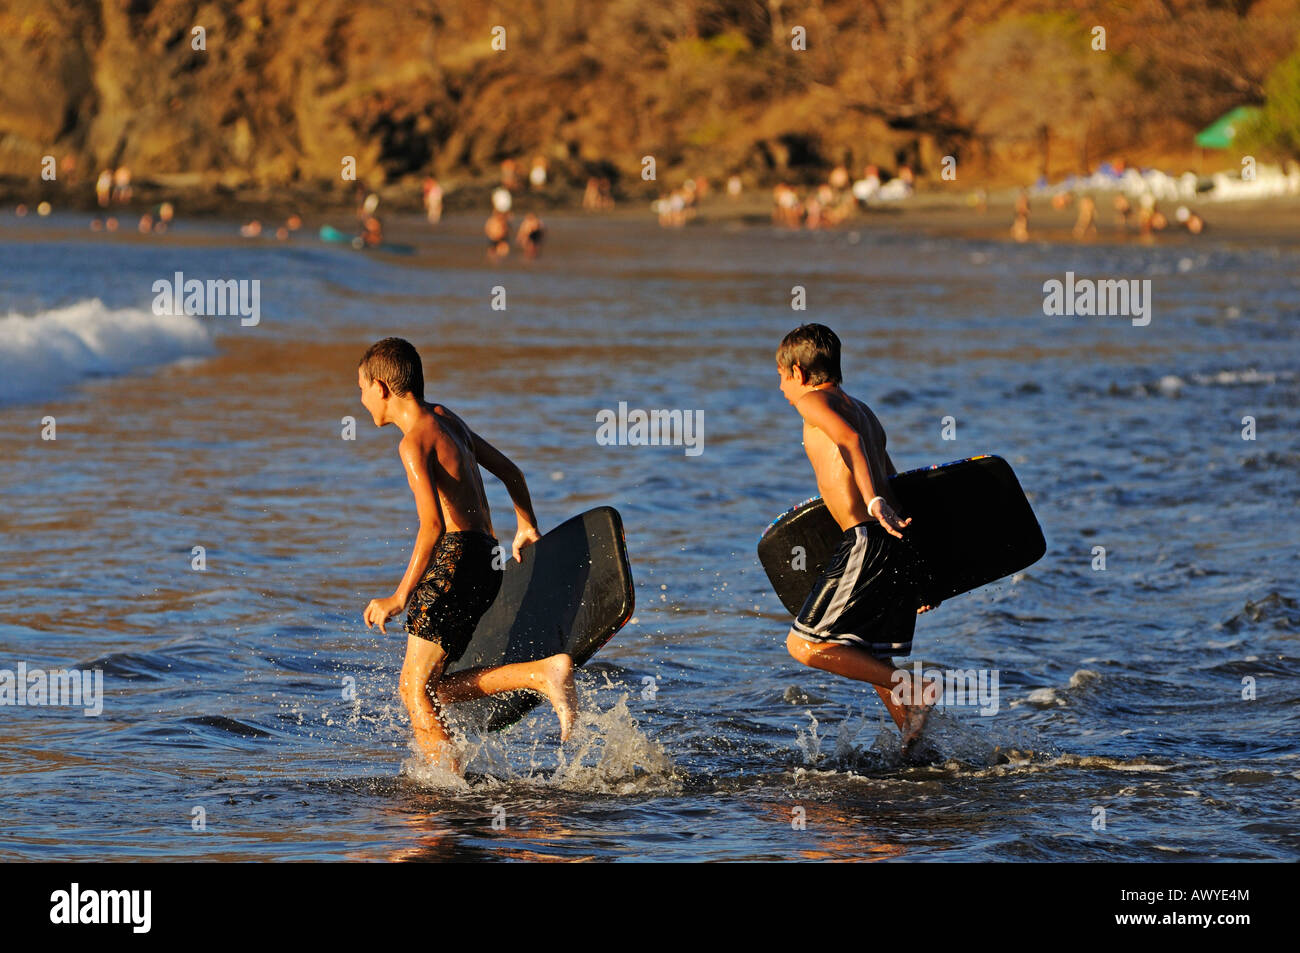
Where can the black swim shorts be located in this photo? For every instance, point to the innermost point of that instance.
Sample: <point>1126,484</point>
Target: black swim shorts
<point>457,588</point>
<point>867,595</point>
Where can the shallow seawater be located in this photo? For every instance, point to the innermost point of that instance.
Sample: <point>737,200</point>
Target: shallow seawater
<point>251,689</point>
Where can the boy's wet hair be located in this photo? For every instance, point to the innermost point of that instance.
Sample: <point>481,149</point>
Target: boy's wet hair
<point>397,363</point>
<point>816,349</point>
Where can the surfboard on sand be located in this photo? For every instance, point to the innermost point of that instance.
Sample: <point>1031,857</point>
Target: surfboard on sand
<point>970,521</point>
<point>571,594</point>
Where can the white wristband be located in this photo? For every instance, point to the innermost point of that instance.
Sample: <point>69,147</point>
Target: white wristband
<point>871,502</point>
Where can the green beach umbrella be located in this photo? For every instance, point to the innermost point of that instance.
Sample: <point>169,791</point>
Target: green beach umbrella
<point>1220,133</point>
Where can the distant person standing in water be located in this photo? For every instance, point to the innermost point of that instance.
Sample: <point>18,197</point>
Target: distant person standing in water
<point>530,236</point>
<point>497,230</point>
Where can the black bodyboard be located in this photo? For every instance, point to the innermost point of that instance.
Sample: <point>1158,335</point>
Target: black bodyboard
<point>971,523</point>
<point>571,594</point>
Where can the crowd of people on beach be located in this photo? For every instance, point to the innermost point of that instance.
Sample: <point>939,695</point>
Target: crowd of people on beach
<point>837,199</point>
<point>824,205</point>
<point>598,196</point>
<point>1137,200</point>
<point>497,227</point>
<point>1129,188</point>
<point>679,205</point>
<point>531,231</point>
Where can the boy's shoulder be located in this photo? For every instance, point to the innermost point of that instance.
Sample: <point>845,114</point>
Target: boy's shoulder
<point>438,421</point>
<point>427,427</point>
<point>837,399</point>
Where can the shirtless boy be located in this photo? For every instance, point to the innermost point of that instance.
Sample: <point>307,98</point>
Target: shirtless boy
<point>838,630</point>
<point>451,579</point>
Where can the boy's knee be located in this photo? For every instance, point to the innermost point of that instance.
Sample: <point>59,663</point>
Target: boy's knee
<point>415,686</point>
<point>799,649</point>
<point>408,691</point>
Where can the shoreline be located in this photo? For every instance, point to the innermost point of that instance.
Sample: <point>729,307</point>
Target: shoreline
<point>938,214</point>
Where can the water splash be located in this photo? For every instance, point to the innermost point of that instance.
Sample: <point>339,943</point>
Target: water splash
<point>607,752</point>
<point>946,740</point>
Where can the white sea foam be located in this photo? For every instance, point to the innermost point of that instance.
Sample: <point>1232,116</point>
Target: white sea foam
<point>45,354</point>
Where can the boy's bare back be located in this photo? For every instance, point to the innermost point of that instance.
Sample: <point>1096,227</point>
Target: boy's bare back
<point>444,446</point>
<point>835,481</point>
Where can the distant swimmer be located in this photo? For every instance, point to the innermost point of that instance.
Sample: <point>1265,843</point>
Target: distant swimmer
<point>372,232</point>
<point>836,629</point>
<point>531,233</point>
<point>1190,220</point>
<point>455,569</point>
<point>497,230</point>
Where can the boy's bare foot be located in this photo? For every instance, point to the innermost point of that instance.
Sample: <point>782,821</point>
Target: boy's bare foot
<point>557,673</point>
<point>441,756</point>
<point>917,715</point>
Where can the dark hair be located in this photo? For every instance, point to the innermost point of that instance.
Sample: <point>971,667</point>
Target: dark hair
<point>816,349</point>
<point>397,363</point>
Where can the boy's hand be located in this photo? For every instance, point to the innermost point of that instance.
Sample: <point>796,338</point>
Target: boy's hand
<point>526,536</point>
<point>889,519</point>
<point>380,611</point>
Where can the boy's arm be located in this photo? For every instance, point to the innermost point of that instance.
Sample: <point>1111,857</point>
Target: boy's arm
<point>421,481</point>
<point>503,468</point>
<point>416,465</point>
<point>816,410</point>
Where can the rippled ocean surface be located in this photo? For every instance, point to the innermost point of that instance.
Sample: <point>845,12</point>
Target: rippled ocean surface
<point>1158,694</point>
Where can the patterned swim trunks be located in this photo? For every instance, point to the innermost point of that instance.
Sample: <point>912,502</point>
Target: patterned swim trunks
<point>458,587</point>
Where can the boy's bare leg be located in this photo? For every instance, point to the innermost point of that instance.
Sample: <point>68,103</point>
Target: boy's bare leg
<point>858,664</point>
<point>423,666</point>
<point>551,677</point>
